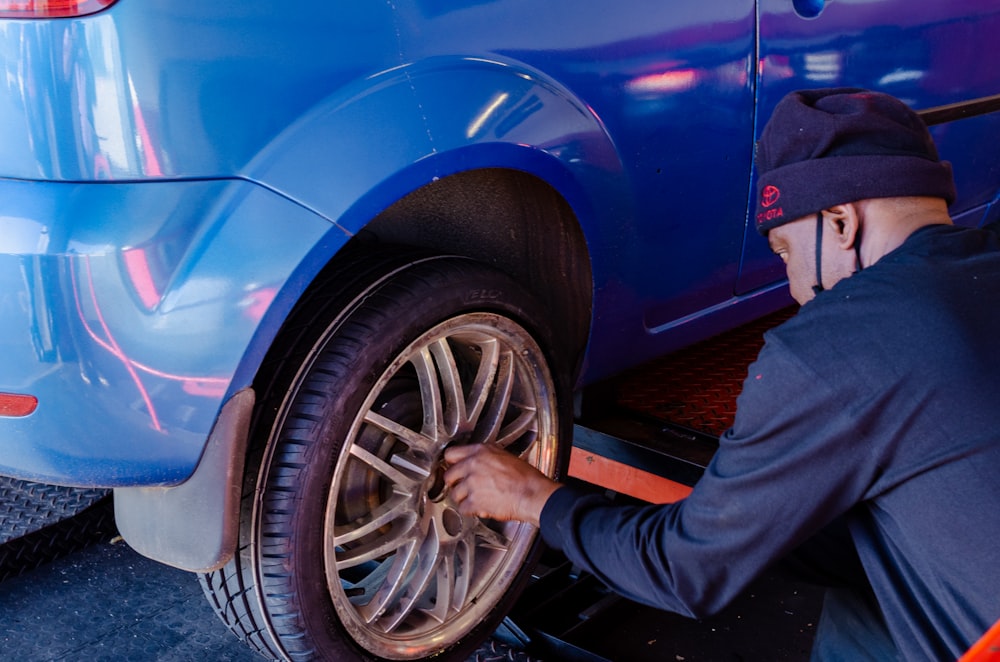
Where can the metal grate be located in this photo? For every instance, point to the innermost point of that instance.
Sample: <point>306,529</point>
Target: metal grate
<point>60,538</point>
<point>697,387</point>
<point>27,507</point>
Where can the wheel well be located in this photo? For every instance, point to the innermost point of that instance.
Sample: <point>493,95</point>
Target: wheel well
<point>513,221</point>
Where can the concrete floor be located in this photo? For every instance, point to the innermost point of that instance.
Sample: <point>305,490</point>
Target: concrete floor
<point>107,603</point>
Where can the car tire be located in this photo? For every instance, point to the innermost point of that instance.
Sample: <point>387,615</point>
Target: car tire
<point>350,547</point>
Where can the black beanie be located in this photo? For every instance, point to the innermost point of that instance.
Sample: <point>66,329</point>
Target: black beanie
<point>823,148</point>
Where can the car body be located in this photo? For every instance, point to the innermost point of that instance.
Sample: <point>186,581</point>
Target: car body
<point>175,176</point>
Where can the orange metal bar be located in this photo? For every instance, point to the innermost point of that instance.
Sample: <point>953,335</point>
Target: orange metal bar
<point>623,478</point>
<point>987,649</point>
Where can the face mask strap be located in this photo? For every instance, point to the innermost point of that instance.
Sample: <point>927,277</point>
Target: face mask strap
<point>818,287</point>
<point>857,248</point>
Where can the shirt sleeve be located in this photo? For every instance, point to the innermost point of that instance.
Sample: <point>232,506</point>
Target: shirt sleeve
<point>792,462</point>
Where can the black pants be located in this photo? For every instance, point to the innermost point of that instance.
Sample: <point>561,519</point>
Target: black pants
<point>851,626</point>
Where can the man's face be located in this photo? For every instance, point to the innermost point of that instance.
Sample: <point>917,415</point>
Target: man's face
<point>795,244</point>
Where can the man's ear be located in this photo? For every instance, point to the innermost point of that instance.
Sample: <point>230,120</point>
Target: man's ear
<point>843,221</point>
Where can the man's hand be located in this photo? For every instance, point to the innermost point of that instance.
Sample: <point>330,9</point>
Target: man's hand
<point>491,483</point>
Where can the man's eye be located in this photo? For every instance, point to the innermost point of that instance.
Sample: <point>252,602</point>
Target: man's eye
<point>783,255</point>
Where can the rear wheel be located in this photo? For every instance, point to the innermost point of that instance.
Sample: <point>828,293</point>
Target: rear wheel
<point>351,547</point>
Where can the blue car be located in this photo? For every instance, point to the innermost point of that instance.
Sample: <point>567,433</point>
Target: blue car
<point>261,263</point>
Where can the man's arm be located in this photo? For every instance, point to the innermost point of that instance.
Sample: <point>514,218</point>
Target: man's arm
<point>794,461</point>
<point>796,458</point>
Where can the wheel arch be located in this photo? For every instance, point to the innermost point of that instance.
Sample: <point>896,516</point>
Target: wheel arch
<point>481,157</point>
<point>513,221</point>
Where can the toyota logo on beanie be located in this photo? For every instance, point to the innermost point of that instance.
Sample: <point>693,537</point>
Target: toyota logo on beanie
<point>833,146</point>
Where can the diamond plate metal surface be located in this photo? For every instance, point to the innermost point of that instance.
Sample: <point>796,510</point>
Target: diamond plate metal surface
<point>27,507</point>
<point>58,539</point>
<point>697,387</point>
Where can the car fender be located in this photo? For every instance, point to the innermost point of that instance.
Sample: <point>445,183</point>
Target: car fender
<point>381,138</point>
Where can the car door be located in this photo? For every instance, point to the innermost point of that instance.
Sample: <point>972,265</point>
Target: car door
<point>672,84</point>
<point>931,54</point>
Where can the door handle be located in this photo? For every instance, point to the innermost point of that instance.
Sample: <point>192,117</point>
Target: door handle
<point>808,8</point>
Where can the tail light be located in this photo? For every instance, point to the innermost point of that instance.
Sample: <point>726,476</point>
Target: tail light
<point>51,8</point>
<point>17,405</point>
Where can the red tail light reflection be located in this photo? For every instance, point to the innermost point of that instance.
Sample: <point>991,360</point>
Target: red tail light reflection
<point>51,8</point>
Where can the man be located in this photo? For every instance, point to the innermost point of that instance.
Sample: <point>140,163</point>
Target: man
<point>868,422</point>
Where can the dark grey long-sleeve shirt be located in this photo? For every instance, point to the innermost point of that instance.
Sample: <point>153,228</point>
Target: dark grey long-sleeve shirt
<point>879,401</point>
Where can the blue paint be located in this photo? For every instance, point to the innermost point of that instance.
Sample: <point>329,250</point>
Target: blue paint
<point>174,174</point>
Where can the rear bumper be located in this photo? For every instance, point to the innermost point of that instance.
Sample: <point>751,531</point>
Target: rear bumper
<point>132,311</point>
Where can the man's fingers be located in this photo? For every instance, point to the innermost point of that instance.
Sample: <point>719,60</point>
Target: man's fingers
<point>464,461</point>
<point>456,454</point>
<point>464,500</point>
<point>459,493</point>
<point>456,473</point>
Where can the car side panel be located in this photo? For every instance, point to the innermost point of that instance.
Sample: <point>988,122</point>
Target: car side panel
<point>128,310</point>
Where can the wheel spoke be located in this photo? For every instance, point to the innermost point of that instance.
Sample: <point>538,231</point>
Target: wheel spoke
<point>463,410</point>
<point>462,574</point>
<point>488,428</point>
<point>526,421</point>
<point>403,532</point>
<point>490,539</point>
<point>399,511</point>
<point>406,598</point>
<point>445,595</point>
<point>399,507</point>
<point>417,442</point>
<point>394,582</point>
<point>405,482</point>
<point>483,384</point>
<point>430,394</point>
<point>451,382</point>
